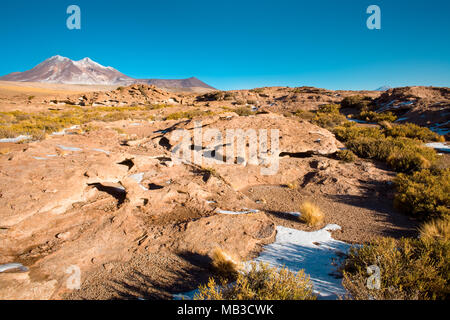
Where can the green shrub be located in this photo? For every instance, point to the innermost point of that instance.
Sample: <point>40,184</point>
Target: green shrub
<point>410,130</point>
<point>409,269</point>
<point>424,194</point>
<point>261,282</point>
<point>188,114</point>
<point>372,116</point>
<point>244,111</point>
<point>401,154</point>
<point>357,102</point>
<point>303,114</point>
<point>329,108</point>
<point>328,120</point>
<point>346,155</point>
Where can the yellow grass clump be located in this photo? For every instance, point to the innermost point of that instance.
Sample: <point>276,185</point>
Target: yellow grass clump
<point>311,214</point>
<point>437,229</point>
<point>224,264</point>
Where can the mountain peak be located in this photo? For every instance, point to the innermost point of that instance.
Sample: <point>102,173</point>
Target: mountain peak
<point>59,69</point>
<point>58,58</point>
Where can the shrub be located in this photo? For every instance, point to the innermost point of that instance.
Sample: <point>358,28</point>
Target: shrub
<point>437,229</point>
<point>346,155</point>
<point>372,116</point>
<point>425,193</point>
<point>311,214</point>
<point>410,269</point>
<point>261,282</point>
<point>188,114</point>
<point>303,114</point>
<point>224,265</point>
<point>401,154</point>
<point>212,96</point>
<point>329,108</point>
<point>244,111</point>
<point>357,102</point>
<point>410,130</point>
<point>328,120</point>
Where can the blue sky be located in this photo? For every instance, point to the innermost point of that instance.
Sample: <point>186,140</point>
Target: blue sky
<point>239,44</point>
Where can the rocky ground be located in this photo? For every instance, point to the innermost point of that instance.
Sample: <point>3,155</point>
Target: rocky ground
<point>116,204</point>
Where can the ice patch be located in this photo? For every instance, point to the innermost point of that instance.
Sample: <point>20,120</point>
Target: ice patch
<point>357,121</point>
<point>69,148</point>
<point>102,151</point>
<point>63,132</point>
<point>12,266</point>
<point>185,295</point>
<point>246,211</point>
<point>138,177</point>
<point>312,251</point>
<point>442,147</point>
<point>14,140</point>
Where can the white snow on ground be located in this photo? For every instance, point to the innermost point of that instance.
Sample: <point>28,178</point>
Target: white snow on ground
<point>102,151</point>
<point>439,146</point>
<point>12,266</point>
<point>312,251</point>
<point>63,132</point>
<point>138,177</point>
<point>247,211</point>
<point>357,121</point>
<point>441,131</point>
<point>15,140</point>
<point>185,295</point>
<point>69,148</point>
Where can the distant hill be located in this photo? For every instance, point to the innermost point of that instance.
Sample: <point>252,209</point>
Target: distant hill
<point>383,88</point>
<point>63,70</point>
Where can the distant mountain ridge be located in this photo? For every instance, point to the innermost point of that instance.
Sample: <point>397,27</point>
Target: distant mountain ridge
<point>63,70</point>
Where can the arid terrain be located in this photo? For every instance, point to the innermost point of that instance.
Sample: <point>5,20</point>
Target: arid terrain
<point>103,192</point>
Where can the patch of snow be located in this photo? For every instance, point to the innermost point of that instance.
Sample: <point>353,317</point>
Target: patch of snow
<point>295,214</point>
<point>138,177</point>
<point>69,148</point>
<point>12,266</point>
<point>102,151</point>
<point>357,121</point>
<point>15,140</point>
<point>311,251</point>
<point>407,103</point>
<point>40,158</point>
<point>185,295</point>
<point>246,211</point>
<point>442,147</point>
<point>63,132</point>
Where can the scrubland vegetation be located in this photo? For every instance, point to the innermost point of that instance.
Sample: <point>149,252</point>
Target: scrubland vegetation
<point>261,282</point>
<point>37,125</point>
<point>409,269</point>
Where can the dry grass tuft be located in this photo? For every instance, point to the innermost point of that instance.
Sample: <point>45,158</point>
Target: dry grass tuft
<point>311,214</point>
<point>438,229</point>
<point>224,264</point>
<point>261,282</point>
